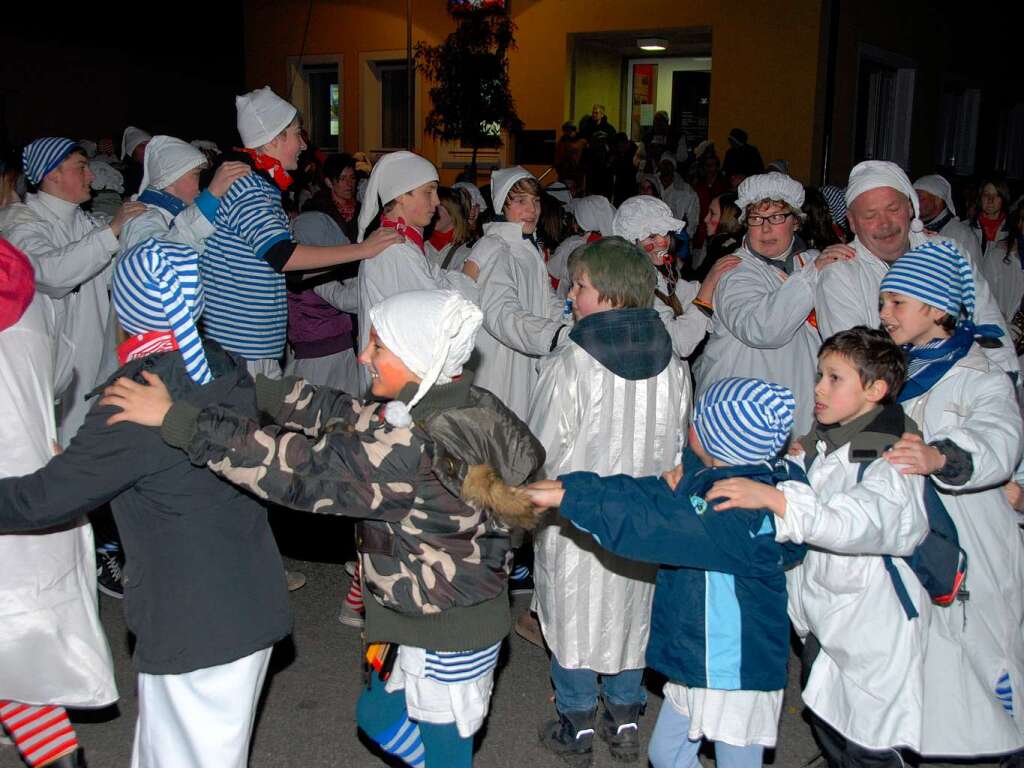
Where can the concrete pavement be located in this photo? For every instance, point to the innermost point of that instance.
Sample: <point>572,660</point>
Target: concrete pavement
<point>307,716</point>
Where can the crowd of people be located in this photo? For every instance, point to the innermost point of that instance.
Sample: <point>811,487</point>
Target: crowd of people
<point>692,405</point>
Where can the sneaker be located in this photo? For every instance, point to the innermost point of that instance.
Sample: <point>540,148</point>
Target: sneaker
<point>620,730</point>
<point>521,581</point>
<point>296,580</point>
<point>528,628</point>
<point>571,737</point>
<point>350,567</point>
<point>110,570</point>
<point>350,617</point>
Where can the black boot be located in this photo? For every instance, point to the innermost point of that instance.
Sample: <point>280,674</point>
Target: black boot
<point>74,759</point>
<point>620,728</point>
<point>571,737</point>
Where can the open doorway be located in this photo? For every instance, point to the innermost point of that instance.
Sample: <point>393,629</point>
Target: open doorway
<point>633,86</point>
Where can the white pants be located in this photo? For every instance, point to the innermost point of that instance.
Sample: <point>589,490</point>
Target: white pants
<point>200,719</point>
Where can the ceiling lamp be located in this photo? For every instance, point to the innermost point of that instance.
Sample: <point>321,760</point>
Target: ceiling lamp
<point>652,43</point>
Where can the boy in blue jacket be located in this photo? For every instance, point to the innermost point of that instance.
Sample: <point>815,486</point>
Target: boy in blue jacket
<point>719,629</point>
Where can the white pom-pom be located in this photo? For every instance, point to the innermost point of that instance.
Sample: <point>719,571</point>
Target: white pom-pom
<point>916,226</point>
<point>397,414</point>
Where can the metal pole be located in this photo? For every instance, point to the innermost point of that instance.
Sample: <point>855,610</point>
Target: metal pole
<point>412,74</point>
<point>830,89</point>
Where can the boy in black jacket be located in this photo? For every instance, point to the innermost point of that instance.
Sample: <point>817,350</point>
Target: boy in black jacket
<point>204,585</point>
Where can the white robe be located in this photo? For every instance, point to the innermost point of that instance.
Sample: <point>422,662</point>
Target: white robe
<point>868,680</point>
<point>685,204</point>
<point>595,607</point>
<point>760,330</point>
<point>399,268</point>
<point>521,314</point>
<point>54,648</point>
<point>1005,276</point>
<point>971,645</point>
<point>847,295</point>
<point>689,329</point>
<point>72,255</point>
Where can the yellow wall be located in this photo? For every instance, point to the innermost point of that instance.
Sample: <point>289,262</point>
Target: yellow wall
<point>764,78</point>
<point>598,81</point>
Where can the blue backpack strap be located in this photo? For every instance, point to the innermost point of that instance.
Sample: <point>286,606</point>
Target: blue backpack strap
<point>897,581</point>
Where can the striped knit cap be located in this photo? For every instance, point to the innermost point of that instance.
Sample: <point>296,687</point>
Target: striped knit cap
<point>744,421</point>
<point>936,274</point>
<point>836,199</point>
<point>157,288</point>
<point>43,155</point>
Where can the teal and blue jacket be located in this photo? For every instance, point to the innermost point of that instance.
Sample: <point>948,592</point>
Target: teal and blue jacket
<point>719,618</point>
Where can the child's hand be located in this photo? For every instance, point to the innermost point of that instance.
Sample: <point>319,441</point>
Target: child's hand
<point>743,493</point>
<point>914,456</point>
<point>673,476</point>
<point>546,493</point>
<point>145,404</point>
<point>1014,495</point>
<point>795,449</point>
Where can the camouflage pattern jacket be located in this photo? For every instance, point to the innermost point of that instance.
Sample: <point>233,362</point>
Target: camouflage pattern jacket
<point>434,499</point>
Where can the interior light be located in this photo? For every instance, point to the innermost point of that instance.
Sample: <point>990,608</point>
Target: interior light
<point>652,43</point>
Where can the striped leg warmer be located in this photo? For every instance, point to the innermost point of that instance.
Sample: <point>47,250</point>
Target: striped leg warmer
<point>354,598</point>
<point>383,717</point>
<point>42,734</point>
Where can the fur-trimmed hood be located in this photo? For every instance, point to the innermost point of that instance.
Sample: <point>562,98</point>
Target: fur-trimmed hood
<point>509,505</point>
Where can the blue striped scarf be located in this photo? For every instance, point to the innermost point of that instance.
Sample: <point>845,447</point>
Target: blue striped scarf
<point>928,363</point>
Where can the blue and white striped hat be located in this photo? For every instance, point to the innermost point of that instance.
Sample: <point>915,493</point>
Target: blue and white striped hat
<point>157,288</point>
<point>936,274</point>
<point>744,421</point>
<point>43,155</point>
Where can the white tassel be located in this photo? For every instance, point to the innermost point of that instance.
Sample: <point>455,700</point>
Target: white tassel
<point>396,413</point>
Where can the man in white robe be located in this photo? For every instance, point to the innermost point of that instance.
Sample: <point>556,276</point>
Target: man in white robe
<point>884,213</point>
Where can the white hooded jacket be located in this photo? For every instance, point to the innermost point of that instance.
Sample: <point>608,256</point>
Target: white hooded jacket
<point>972,645</point>
<point>867,682</point>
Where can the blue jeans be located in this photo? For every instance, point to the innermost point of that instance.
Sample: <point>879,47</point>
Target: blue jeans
<point>671,747</point>
<point>576,690</point>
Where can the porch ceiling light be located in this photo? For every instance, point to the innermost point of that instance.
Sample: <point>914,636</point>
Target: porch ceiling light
<point>652,43</point>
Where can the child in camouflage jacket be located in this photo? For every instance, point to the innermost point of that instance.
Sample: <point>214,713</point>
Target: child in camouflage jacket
<point>428,474</point>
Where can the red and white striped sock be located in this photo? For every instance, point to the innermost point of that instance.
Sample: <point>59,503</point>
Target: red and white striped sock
<point>42,734</point>
<point>354,598</point>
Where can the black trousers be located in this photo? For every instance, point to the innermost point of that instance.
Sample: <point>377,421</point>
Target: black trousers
<point>839,751</point>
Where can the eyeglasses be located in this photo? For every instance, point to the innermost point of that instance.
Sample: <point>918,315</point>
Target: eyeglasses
<point>772,218</point>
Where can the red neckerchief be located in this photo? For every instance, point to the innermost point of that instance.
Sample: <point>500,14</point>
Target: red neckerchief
<point>593,237</point>
<point>17,286</point>
<point>271,166</point>
<point>346,208</point>
<point>991,226</point>
<point>145,344</point>
<point>440,239</point>
<point>409,233</point>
